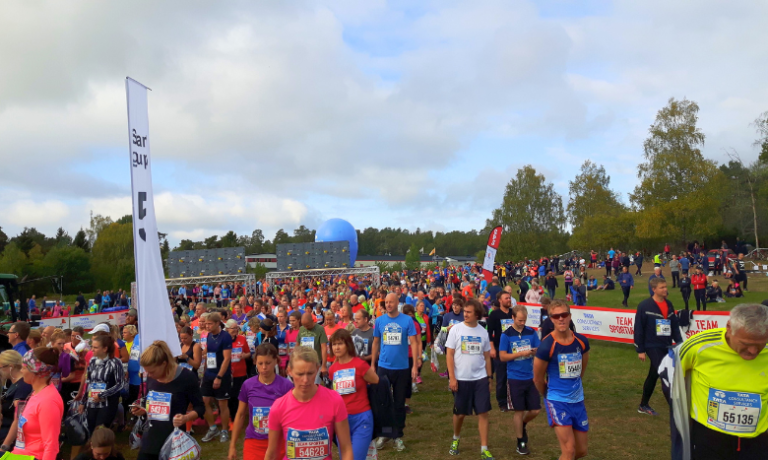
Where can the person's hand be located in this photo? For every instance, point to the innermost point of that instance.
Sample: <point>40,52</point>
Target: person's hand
<point>232,452</point>
<point>178,420</point>
<point>216,384</point>
<point>641,356</point>
<point>532,352</point>
<point>453,384</point>
<point>81,409</point>
<point>138,411</point>
<point>324,369</point>
<point>414,373</point>
<point>493,353</point>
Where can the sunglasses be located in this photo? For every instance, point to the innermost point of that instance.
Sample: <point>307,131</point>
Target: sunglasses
<point>560,315</point>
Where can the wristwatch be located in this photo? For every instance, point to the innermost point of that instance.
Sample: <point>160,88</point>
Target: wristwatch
<point>218,377</point>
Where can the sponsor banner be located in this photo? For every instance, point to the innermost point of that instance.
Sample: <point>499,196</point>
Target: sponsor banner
<point>618,325</point>
<point>88,322</point>
<point>61,322</point>
<point>490,253</point>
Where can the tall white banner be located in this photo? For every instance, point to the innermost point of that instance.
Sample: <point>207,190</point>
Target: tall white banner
<point>155,315</point>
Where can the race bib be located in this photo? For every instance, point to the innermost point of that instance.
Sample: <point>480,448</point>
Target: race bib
<point>20,432</point>
<point>186,366</point>
<point>236,354</point>
<point>307,444</point>
<point>291,346</point>
<point>392,338</point>
<point>344,381</point>
<point>521,346</point>
<point>159,406</point>
<point>260,419</point>
<point>210,361</point>
<point>570,365</point>
<point>135,354</point>
<point>95,389</point>
<point>663,328</point>
<point>506,324</point>
<point>308,342</point>
<point>282,349</point>
<point>452,322</point>
<point>733,411</point>
<point>56,381</point>
<point>471,345</point>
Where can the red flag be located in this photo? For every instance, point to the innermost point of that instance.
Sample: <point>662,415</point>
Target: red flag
<point>490,253</point>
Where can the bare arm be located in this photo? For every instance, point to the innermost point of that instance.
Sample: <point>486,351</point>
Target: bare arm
<point>375,352</point>
<point>584,361</point>
<point>124,357</point>
<point>371,376</point>
<point>539,371</point>
<point>242,408</point>
<point>345,442</point>
<point>275,438</point>
<point>449,362</point>
<point>197,356</point>
<point>11,437</point>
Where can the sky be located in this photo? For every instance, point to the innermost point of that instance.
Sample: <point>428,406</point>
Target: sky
<point>387,114</point>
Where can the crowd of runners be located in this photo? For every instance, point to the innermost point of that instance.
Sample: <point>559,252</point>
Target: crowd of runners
<point>288,369</point>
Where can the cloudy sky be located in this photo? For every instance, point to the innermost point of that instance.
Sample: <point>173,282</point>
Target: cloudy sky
<point>405,114</point>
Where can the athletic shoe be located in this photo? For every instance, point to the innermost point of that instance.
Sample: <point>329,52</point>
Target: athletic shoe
<point>414,388</point>
<point>224,436</point>
<point>454,447</point>
<point>212,433</point>
<point>418,380</point>
<point>646,410</point>
<point>408,409</point>
<point>522,448</point>
<point>486,455</point>
<point>504,409</point>
<point>525,433</point>
<point>399,446</point>
<point>443,375</point>
<point>380,441</point>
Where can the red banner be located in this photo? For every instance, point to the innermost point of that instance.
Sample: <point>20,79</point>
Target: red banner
<point>490,253</point>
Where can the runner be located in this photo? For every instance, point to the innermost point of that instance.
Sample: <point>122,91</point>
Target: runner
<point>306,419</point>
<point>656,327</point>
<point>217,378</point>
<point>256,398</point>
<point>517,348</point>
<point>558,368</point>
<point>313,336</point>
<point>104,380</point>
<point>350,376</point>
<point>627,283</point>
<point>291,337</point>
<point>241,353</point>
<point>499,321</point>
<point>393,335</point>
<point>727,415</point>
<point>469,371</point>
<point>362,336</point>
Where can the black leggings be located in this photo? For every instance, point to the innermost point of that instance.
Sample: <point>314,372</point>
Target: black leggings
<point>654,355</point>
<point>103,416</point>
<point>568,287</point>
<point>639,270</point>
<point>675,278</point>
<point>709,444</point>
<point>625,290</point>
<point>701,298</point>
<point>234,397</point>
<point>686,296</point>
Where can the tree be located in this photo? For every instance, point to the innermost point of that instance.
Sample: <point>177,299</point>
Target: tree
<point>14,260</point>
<point>73,264</point>
<point>62,237</point>
<point>212,242</point>
<point>761,126</point>
<point>678,192</point>
<point>28,238</point>
<point>81,241</point>
<point>281,237</point>
<point>532,216</point>
<point>303,235</point>
<point>98,223</point>
<point>113,262</point>
<point>3,240</point>
<point>412,258</point>
<point>229,240</point>
<point>590,195</point>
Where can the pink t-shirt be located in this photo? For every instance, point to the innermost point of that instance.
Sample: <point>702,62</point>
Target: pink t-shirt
<point>40,425</point>
<point>308,428</point>
<point>291,336</point>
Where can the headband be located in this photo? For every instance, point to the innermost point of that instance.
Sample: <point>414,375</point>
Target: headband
<point>36,366</point>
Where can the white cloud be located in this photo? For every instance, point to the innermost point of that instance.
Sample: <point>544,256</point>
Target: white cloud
<point>28,213</point>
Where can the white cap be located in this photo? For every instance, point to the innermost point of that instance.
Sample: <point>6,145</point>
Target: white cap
<point>100,328</point>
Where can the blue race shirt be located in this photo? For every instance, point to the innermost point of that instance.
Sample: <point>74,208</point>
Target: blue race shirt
<point>22,348</point>
<point>214,353</point>
<point>393,334</point>
<point>611,253</point>
<point>451,318</point>
<point>564,368</point>
<point>515,342</point>
<point>684,263</point>
<point>133,363</point>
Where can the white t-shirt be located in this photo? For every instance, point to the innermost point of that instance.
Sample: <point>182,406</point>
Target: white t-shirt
<point>470,344</point>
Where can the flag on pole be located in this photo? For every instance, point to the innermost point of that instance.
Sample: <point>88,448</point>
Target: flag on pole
<point>490,253</point>
<point>155,315</point>
<point>433,252</point>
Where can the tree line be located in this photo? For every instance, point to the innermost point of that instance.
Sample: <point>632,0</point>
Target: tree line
<point>680,197</point>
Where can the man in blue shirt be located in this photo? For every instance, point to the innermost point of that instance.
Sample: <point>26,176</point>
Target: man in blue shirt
<point>393,334</point>
<point>217,379</point>
<point>564,366</point>
<point>685,264</point>
<point>17,335</point>
<point>517,348</point>
<point>656,274</point>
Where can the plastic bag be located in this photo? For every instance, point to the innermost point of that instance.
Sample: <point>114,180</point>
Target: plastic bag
<point>134,440</point>
<point>434,362</point>
<point>76,429</point>
<point>180,445</point>
<point>372,454</point>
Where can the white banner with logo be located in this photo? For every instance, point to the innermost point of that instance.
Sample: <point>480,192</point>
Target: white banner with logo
<point>155,316</point>
<point>618,325</point>
<point>87,322</point>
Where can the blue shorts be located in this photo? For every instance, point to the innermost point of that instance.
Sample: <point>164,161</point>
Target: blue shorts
<point>567,414</point>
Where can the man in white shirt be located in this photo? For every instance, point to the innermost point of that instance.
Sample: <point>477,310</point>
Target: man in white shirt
<point>468,356</point>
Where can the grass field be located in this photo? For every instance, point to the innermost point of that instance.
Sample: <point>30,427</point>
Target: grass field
<point>613,386</point>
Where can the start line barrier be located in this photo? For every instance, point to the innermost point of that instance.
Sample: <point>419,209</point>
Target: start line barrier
<point>618,325</point>
<point>87,321</point>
